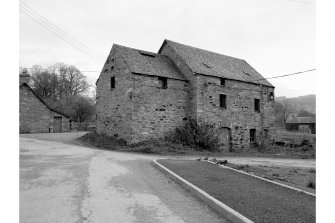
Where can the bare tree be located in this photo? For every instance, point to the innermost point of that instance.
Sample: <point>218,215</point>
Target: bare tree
<point>59,81</point>
<point>283,110</point>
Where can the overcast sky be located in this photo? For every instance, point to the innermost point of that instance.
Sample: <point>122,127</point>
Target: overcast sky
<point>276,37</point>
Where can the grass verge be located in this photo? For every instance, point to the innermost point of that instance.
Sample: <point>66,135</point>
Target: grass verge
<point>258,200</point>
<point>301,178</point>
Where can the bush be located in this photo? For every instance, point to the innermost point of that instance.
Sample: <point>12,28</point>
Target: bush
<point>311,184</point>
<point>198,135</point>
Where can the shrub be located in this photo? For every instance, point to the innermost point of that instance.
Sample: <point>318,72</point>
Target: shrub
<point>198,135</point>
<point>311,184</point>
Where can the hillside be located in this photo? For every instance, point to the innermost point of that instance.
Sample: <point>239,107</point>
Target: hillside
<point>306,102</point>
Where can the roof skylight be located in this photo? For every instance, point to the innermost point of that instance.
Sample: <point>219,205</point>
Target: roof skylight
<point>206,65</point>
<point>147,54</point>
<point>246,73</point>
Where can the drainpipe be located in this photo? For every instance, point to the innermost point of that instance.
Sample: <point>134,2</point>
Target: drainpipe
<point>262,117</point>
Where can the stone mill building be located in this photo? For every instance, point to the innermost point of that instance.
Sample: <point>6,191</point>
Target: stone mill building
<point>143,95</point>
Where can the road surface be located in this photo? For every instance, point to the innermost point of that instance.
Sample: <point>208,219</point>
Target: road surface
<point>64,182</point>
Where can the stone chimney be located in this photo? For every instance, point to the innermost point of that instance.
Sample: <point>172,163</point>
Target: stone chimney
<point>24,76</point>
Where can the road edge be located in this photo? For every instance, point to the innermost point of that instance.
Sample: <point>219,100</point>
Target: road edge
<point>217,205</point>
<point>264,179</point>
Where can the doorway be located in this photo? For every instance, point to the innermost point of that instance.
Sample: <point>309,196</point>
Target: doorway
<point>57,124</point>
<point>225,137</point>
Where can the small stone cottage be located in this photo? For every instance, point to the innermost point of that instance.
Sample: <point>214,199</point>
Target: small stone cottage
<point>35,115</point>
<point>142,95</point>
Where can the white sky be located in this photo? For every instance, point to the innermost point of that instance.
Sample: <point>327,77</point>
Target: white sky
<point>276,37</point>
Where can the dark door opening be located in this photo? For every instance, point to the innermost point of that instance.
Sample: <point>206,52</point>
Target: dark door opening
<point>57,124</point>
<point>225,137</point>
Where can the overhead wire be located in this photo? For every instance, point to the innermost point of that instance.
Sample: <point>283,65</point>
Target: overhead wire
<point>60,33</point>
<point>59,30</point>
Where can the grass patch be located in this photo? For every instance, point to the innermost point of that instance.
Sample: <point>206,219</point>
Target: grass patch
<point>301,178</point>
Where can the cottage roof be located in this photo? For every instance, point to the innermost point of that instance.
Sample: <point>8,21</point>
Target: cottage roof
<point>144,62</point>
<point>209,63</point>
<point>27,85</point>
<point>301,120</point>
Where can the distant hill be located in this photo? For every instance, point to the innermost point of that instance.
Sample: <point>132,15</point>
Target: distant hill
<point>306,102</point>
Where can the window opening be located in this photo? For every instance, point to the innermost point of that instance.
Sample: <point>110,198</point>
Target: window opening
<point>222,81</point>
<point>112,82</point>
<point>163,82</point>
<point>252,135</point>
<point>223,101</point>
<point>257,105</point>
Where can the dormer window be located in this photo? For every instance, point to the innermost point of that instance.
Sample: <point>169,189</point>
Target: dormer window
<point>163,82</point>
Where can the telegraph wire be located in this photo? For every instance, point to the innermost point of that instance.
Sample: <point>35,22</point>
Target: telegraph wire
<point>68,41</point>
<point>286,75</point>
<point>60,34</point>
<point>59,30</point>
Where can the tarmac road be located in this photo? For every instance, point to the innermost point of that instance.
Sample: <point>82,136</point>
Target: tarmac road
<point>64,182</point>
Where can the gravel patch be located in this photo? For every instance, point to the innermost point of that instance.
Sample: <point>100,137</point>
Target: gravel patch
<point>258,200</point>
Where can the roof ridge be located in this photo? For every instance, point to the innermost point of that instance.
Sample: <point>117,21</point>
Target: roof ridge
<point>135,49</point>
<point>203,49</point>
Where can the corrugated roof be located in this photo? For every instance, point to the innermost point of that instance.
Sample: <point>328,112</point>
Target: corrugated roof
<point>301,120</point>
<point>149,63</point>
<point>209,63</point>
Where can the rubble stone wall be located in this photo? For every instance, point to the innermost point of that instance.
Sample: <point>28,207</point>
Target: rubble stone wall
<point>157,111</point>
<point>34,115</point>
<point>114,105</point>
<point>239,115</point>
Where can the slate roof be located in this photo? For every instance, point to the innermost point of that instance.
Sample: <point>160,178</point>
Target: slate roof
<point>209,63</point>
<point>27,85</point>
<point>301,120</point>
<point>144,62</point>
